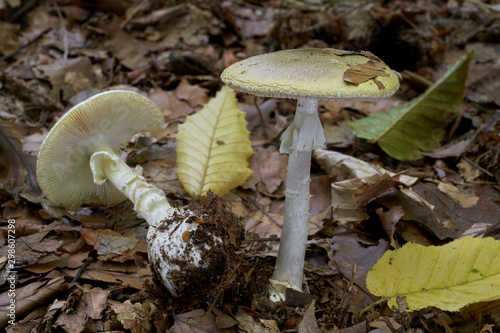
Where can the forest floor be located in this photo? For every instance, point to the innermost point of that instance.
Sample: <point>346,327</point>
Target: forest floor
<point>55,54</point>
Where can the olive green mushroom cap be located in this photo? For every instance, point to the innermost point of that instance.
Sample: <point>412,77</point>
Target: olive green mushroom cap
<point>325,74</point>
<point>104,122</point>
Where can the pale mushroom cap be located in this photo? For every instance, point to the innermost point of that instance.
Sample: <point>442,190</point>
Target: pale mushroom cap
<point>103,122</point>
<point>313,73</point>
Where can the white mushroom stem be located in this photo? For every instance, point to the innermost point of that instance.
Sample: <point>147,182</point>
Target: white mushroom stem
<point>290,261</point>
<point>150,202</point>
<point>175,257</point>
<point>304,134</point>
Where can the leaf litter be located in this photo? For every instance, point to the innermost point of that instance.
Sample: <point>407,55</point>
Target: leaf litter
<point>89,269</point>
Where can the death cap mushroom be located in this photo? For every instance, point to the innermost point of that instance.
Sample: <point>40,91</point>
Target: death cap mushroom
<point>308,75</point>
<point>104,122</point>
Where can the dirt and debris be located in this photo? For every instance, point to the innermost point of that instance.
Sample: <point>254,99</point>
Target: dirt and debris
<point>88,270</point>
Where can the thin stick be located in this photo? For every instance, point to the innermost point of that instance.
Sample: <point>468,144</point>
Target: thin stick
<point>478,166</point>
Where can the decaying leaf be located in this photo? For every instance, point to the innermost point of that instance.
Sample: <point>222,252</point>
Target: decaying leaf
<point>354,259</point>
<point>405,132</point>
<point>465,200</point>
<point>357,74</point>
<point>449,277</point>
<point>443,215</point>
<point>196,321</point>
<point>13,162</point>
<point>213,147</point>
<point>309,323</point>
<point>349,197</point>
<point>94,301</point>
<point>358,182</point>
<point>135,317</point>
<point>345,167</point>
<point>29,297</point>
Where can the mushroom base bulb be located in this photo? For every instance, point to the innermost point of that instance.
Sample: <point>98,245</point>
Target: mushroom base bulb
<point>190,253</point>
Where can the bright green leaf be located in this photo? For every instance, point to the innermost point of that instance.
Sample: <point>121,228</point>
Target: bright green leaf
<point>418,126</point>
<point>213,147</point>
<point>448,277</point>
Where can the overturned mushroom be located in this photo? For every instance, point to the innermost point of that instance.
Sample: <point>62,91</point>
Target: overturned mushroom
<point>310,76</point>
<point>78,164</point>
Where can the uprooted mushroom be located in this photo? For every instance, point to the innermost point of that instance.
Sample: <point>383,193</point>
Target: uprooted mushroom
<point>78,164</point>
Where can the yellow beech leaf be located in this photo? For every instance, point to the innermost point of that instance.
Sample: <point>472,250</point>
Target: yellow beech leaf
<point>448,277</point>
<point>213,147</point>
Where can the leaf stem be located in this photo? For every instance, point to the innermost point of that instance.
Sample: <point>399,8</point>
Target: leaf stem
<point>382,300</point>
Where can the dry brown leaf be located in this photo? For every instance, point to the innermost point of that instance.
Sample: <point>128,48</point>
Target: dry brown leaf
<point>382,324</point>
<point>477,230</point>
<point>48,263</point>
<point>223,320</point>
<point>320,190</point>
<point>74,320</point>
<point>190,29</point>
<point>9,37</point>
<point>158,16</point>
<point>354,259</point>
<point>194,95</point>
<point>135,317</point>
<point>31,296</point>
<point>196,321</point>
<point>182,101</point>
<point>95,301</point>
<point>30,249</point>
<point>309,323</point>
<point>69,78</point>
<point>344,167</point>
<point>135,279</point>
<point>116,244</point>
<point>127,49</point>
<point>269,168</point>
<point>468,171</point>
<point>254,117</point>
<point>247,323</point>
<point>264,224</point>
<point>339,134</point>
<point>466,200</point>
<point>389,220</point>
<point>357,74</point>
<point>270,325</point>
<point>16,168</point>
<point>349,197</point>
<point>485,210</point>
<point>454,148</point>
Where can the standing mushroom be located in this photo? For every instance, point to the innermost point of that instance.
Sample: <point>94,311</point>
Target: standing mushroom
<point>308,75</point>
<point>78,164</point>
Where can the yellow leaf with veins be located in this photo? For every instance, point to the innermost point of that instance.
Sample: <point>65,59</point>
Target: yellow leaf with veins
<point>448,277</point>
<point>213,147</point>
